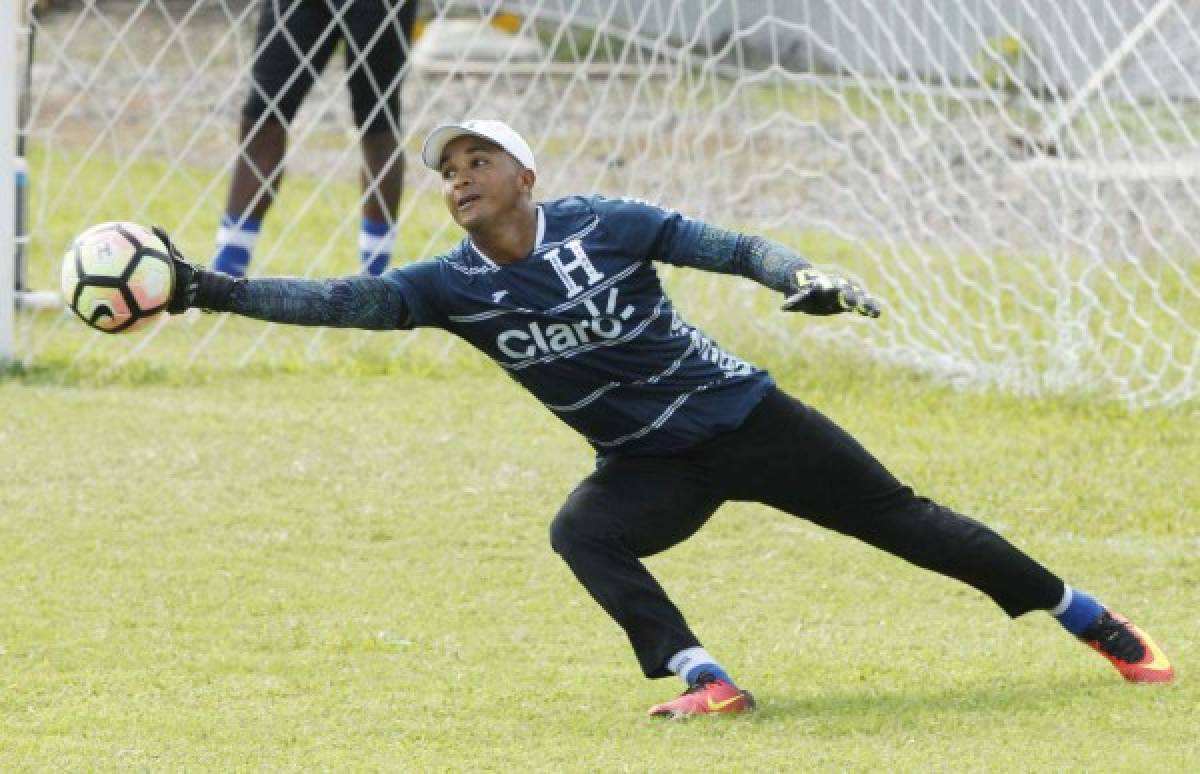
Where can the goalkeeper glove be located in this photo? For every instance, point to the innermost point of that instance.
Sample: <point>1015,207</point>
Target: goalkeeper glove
<point>822,294</point>
<point>194,285</point>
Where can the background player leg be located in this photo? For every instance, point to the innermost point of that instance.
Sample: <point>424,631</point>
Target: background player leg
<point>293,45</point>
<point>382,185</point>
<point>377,43</point>
<point>257,175</point>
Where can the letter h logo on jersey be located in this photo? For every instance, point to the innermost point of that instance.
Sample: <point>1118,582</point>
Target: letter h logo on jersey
<point>566,271</point>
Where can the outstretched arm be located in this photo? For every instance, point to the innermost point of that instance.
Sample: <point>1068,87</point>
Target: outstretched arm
<point>780,268</point>
<point>654,233</point>
<point>373,303</point>
<point>766,262</point>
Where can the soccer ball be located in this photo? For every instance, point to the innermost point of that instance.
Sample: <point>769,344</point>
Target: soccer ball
<point>117,276</point>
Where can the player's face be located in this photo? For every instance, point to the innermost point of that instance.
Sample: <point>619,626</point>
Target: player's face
<point>481,183</point>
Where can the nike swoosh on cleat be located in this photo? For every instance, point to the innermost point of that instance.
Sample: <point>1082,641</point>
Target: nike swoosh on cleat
<point>1159,663</point>
<point>717,706</point>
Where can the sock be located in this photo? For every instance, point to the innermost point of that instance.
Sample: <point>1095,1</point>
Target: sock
<point>235,244</point>
<point>1077,610</point>
<point>693,662</point>
<point>375,246</point>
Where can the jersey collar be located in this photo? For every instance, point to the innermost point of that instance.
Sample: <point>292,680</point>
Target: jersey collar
<point>537,240</point>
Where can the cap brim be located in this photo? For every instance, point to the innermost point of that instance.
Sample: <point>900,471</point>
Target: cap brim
<point>439,138</point>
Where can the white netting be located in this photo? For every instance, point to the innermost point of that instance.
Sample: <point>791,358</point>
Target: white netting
<point>1018,179</point>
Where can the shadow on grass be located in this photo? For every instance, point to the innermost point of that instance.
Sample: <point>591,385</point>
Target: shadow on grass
<point>83,373</point>
<point>136,373</point>
<point>864,707</point>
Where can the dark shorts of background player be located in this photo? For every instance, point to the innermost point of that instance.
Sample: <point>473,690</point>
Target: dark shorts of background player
<point>787,455</point>
<point>296,39</point>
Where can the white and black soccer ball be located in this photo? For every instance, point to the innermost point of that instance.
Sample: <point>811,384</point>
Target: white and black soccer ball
<point>117,276</point>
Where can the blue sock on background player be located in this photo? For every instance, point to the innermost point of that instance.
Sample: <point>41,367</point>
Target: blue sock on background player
<point>375,241</point>
<point>1077,610</point>
<point>235,244</point>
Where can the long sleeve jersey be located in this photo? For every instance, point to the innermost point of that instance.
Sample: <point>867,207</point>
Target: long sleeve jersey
<point>582,322</point>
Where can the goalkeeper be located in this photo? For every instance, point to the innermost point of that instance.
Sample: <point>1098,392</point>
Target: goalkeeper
<point>564,296</point>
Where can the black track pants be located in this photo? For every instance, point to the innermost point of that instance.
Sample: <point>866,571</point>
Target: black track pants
<point>785,455</point>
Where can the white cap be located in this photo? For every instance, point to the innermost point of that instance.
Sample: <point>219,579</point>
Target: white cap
<point>494,131</point>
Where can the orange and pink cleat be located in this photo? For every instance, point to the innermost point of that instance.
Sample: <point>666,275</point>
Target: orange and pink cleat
<point>709,696</point>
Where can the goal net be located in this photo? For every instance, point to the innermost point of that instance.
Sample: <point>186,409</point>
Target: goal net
<point>1016,179</point>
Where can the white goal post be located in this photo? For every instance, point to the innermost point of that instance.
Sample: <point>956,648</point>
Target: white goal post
<point>8,179</point>
<point>1018,180</point>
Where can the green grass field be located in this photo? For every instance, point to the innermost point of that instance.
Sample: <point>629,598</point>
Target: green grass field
<point>238,551</point>
<point>339,569</point>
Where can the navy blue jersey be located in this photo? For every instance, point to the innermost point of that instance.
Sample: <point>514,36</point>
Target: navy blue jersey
<point>584,324</point>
